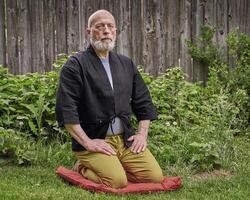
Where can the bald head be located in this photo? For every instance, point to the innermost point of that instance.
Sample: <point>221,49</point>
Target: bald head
<point>99,14</point>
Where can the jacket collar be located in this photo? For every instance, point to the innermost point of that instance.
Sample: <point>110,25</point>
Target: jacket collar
<point>113,62</point>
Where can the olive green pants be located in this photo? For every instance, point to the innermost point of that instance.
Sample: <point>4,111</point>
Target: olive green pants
<point>115,170</point>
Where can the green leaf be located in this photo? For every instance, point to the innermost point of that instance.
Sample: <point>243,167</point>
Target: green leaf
<point>32,127</point>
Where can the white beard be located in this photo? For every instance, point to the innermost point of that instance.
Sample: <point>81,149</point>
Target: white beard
<point>102,45</point>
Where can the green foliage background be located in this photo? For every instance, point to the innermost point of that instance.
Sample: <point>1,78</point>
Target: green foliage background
<point>196,124</point>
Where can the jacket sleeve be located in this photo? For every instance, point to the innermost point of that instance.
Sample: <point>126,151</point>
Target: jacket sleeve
<point>69,93</point>
<point>141,103</point>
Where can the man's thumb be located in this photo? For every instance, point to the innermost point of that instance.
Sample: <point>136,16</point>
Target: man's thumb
<point>131,138</point>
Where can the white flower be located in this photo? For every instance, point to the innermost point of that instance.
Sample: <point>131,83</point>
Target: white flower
<point>174,123</point>
<point>167,124</point>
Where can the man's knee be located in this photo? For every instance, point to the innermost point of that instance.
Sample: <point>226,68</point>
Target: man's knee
<point>156,176</point>
<point>116,180</point>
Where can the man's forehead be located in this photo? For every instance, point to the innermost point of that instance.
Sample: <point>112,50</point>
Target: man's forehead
<point>103,20</point>
<point>101,17</point>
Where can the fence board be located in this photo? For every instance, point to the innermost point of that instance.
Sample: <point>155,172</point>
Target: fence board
<point>124,27</point>
<point>37,37</point>
<point>49,39</point>
<point>2,34</point>
<point>247,18</point>
<point>158,45</point>
<point>136,31</point>
<point>152,45</point>
<point>242,12</point>
<point>82,25</point>
<point>172,33</point>
<point>24,37</point>
<point>197,21</point>
<point>72,25</point>
<point>222,27</point>
<point>61,26</point>
<point>12,37</point>
<point>185,34</point>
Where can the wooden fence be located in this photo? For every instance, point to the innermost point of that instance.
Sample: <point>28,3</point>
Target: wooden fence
<point>151,32</point>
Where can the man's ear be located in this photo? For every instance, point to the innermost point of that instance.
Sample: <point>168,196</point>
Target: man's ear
<point>87,31</point>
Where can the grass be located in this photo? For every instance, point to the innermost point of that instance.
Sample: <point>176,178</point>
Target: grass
<point>40,182</point>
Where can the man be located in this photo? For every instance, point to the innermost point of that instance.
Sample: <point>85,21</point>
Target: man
<point>97,92</point>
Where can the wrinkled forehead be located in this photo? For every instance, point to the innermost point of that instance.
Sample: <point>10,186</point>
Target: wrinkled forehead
<point>100,17</point>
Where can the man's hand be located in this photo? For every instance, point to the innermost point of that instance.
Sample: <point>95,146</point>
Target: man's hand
<point>99,145</point>
<point>92,145</point>
<point>139,142</point>
<point>140,139</point>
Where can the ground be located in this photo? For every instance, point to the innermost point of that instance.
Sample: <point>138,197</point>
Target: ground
<point>37,182</point>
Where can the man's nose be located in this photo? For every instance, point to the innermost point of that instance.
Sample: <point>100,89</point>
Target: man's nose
<point>106,29</point>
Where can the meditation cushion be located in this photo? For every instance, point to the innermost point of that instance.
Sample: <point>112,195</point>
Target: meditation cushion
<point>169,183</point>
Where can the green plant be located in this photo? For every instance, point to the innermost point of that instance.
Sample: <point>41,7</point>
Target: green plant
<point>203,49</point>
<point>16,147</point>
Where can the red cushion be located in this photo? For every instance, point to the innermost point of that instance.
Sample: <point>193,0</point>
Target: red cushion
<point>169,183</point>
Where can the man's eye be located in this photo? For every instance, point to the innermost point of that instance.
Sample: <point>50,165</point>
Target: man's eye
<point>98,26</point>
<point>110,25</point>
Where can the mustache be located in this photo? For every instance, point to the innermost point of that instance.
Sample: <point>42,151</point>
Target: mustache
<point>106,39</point>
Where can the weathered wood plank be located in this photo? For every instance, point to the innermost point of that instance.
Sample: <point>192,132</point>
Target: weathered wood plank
<point>153,35</point>
<point>86,9</point>
<point>243,20</point>
<point>2,34</point>
<point>37,36</point>
<point>24,37</point>
<point>49,34</point>
<point>185,34</point>
<point>73,25</point>
<point>159,45</point>
<point>82,25</point>
<point>12,36</point>
<point>172,33</point>
<point>61,26</point>
<point>197,22</point>
<point>222,27</point>
<point>136,31</point>
<point>233,13</point>
<point>248,18</point>
<point>124,26</point>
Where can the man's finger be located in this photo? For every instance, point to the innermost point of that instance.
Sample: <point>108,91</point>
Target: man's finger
<point>105,151</point>
<point>109,149</point>
<point>139,148</point>
<point>134,145</point>
<point>144,148</point>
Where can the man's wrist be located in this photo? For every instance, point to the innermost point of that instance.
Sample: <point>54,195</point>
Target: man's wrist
<point>143,133</point>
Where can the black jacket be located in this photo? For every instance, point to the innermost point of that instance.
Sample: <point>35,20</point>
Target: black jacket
<point>85,96</point>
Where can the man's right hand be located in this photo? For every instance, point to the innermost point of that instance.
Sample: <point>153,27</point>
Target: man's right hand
<point>99,145</point>
<point>92,145</point>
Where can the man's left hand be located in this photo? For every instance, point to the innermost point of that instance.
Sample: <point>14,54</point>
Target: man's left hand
<point>139,142</point>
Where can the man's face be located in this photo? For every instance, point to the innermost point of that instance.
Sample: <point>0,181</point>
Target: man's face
<point>102,33</point>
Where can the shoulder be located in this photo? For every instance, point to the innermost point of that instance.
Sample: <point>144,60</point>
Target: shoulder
<point>75,62</point>
<point>122,57</point>
<point>126,61</point>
